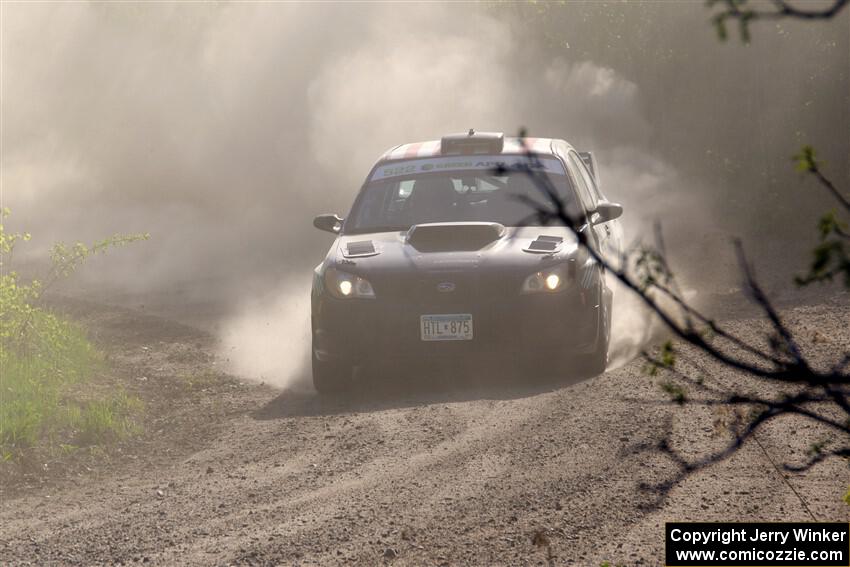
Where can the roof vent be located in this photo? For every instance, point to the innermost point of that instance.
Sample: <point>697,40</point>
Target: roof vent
<point>472,142</point>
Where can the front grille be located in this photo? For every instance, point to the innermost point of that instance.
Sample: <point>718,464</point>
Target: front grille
<point>490,299</point>
<point>465,292</point>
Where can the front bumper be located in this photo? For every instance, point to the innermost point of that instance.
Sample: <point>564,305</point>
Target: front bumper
<point>507,326</point>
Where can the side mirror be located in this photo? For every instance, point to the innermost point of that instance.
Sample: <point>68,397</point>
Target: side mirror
<point>328,223</point>
<point>608,211</point>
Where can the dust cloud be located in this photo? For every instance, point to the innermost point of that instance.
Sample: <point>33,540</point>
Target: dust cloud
<point>222,129</point>
<point>269,338</point>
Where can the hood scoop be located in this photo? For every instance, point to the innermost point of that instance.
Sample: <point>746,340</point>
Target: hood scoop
<point>454,236</point>
<point>360,249</point>
<point>544,245</point>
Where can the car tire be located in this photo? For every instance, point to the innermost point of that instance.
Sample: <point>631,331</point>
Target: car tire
<point>596,362</point>
<point>331,377</point>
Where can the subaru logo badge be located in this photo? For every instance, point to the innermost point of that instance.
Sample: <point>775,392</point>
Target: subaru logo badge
<point>445,287</point>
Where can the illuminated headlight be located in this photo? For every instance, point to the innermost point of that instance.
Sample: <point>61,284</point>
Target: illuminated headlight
<point>545,281</point>
<point>343,286</point>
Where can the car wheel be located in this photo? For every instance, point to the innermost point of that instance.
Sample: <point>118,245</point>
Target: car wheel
<point>595,363</point>
<point>331,377</point>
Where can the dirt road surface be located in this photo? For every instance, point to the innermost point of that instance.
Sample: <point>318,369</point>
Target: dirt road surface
<point>233,473</point>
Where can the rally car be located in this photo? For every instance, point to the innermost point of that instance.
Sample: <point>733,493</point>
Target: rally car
<point>443,261</point>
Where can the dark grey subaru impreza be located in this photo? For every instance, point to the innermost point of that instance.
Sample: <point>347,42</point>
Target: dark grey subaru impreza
<point>441,262</point>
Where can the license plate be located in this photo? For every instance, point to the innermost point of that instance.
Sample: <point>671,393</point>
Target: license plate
<point>452,327</point>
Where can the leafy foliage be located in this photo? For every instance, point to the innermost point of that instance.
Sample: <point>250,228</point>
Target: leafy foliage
<point>831,257</point>
<point>43,357</point>
<point>666,359</point>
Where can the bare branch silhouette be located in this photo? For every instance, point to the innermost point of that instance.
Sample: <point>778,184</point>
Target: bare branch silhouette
<point>741,12</point>
<point>823,396</point>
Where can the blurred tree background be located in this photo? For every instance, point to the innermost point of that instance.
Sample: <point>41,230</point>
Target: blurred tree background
<point>730,114</point>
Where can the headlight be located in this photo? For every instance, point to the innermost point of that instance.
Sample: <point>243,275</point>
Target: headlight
<point>344,286</point>
<point>545,281</point>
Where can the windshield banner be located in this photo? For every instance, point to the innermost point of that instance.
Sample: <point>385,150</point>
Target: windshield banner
<point>459,163</point>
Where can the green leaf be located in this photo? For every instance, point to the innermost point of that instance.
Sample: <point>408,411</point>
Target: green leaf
<point>677,393</point>
<point>806,161</point>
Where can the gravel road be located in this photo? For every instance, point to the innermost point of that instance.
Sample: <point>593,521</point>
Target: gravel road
<point>229,472</point>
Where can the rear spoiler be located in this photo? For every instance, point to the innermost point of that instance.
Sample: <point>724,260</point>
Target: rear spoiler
<point>590,162</point>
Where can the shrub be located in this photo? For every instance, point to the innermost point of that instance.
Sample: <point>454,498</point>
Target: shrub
<point>43,356</point>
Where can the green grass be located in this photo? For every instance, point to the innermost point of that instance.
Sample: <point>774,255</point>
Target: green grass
<point>102,421</point>
<point>47,398</point>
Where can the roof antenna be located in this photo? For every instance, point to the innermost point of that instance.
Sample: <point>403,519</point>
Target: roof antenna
<point>471,132</point>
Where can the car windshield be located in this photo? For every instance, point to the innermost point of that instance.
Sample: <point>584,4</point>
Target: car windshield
<point>459,189</point>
